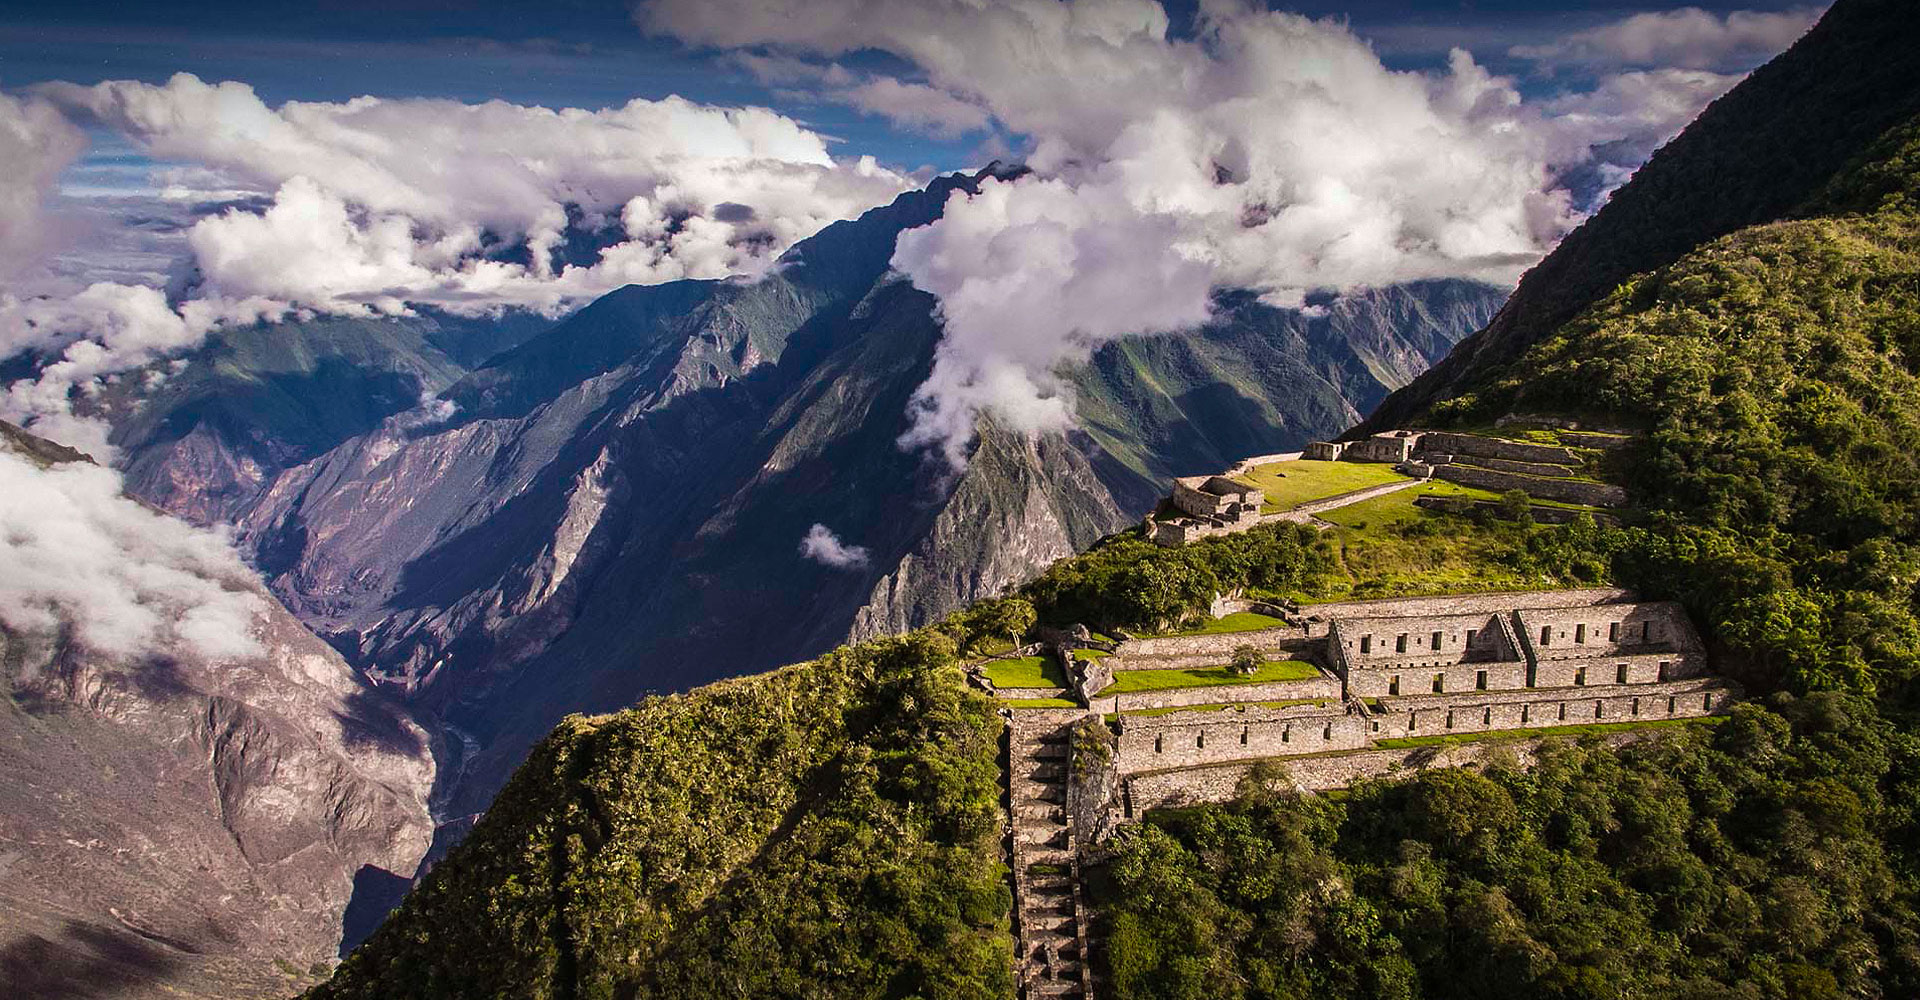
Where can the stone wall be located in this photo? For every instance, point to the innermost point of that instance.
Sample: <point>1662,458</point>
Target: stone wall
<point>1523,468</point>
<point>1323,686</point>
<point>1324,451</point>
<point>1443,442</point>
<point>1460,604</point>
<point>1563,490</point>
<point>1321,773</point>
<point>1537,708</point>
<point>1450,679</point>
<point>1219,645</point>
<point>1392,447</point>
<point>1190,739</point>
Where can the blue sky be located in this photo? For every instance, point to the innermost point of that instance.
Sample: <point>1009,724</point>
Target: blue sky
<point>576,53</point>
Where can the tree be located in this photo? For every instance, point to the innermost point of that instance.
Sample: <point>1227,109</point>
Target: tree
<point>1246,660</point>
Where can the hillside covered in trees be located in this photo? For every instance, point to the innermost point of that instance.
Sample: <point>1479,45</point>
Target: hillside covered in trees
<point>832,829</point>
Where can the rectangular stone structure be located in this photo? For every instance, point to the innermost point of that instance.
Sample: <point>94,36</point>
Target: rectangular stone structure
<point>1421,654</point>
<point>1640,643</point>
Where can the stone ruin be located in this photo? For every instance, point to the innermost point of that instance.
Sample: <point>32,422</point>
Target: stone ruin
<point>1392,670</point>
<point>1542,471</point>
<point>1205,505</point>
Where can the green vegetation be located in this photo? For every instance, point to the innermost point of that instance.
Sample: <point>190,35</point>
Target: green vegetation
<point>828,829</point>
<point>1290,484</point>
<point>1038,703</point>
<point>1026,672</point>
<point>1159,680</point>
<point>1779,371</point>
<point>1238,621</point>
<point>1760,859</point>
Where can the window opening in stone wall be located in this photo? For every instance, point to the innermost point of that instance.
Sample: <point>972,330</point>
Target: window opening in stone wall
<point>1393,684</point>
<point>1706,702</point>
<point>1449,720</point>
<point>1366,644</point>
<point>1157,743</point>
<point>1200,739</point>
<point>1670,706</point>
<point>1664,667</point>
<point>1413,721</point>
<point>1580,677</point>
<point>1596,710</point>
<point>1613,631</point>
<point>1579,633</point>
<point>1436,640</point>
<point>1646,631</point>
<point>1471,633</point>
<point>1620,674</point>
<point>1439,683</point>
<point>1546,635</point>
<point>1243,736</point>
<point>1486,716</point>
<point>1327,733</point>
<point>1286,735</point>
<point>1526,713</point>
<point>1400,644</point>
<point>1636,708</point>
<point>1480,680</point>
<point>1563,711</point>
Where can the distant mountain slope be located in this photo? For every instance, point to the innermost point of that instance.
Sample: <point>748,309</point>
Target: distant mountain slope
<point>1754,156</point>
<point>616,505</point>
<point>181,816</point>
<point>204,434</point>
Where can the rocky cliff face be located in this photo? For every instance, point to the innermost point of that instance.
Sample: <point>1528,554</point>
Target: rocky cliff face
<point>616,505</point>
<point>186,810</point>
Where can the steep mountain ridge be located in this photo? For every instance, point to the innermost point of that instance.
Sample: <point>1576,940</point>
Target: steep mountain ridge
<point>615,506</point>
<point>179,820</point>
<point>1756,155</point>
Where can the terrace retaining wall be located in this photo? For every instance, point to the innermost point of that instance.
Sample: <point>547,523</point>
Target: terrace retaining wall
<point>1323,686</point>
<point>1563,490</point>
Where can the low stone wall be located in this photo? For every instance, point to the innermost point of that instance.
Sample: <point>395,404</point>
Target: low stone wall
<point>1379,448</point>
<point>1605,668</point>
<point>1523,468</point>
<point>1324,686</point>
<point>1047,692</point>
<point>1563,490</point>
<point>1324,451</point>
<point>1418,679</point>
<point>1192,739</point>
<point>1484,447</point>
<point>1490,602</point>
<point>1322,773</point>
<point>1535,708</point>
<point>1218,644</point>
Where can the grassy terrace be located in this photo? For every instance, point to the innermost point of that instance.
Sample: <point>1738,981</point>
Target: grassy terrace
<point>1290,484</point>
<point>1125,681</point>
<point>1026,672</point>
<point>1239,621</point>
<point>1038,703</point>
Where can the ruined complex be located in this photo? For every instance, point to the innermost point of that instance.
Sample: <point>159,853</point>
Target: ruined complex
<point>1376,687</point>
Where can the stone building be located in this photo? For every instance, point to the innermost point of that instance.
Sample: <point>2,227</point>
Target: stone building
<point>1438,654</point>
<point>1206,505</point>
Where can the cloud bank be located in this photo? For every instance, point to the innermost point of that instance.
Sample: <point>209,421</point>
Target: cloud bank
<point>76,553</point>
<point>1263,150</point>
<point>1688,38</point>
<point>375,206</point>
<point>821,545</point>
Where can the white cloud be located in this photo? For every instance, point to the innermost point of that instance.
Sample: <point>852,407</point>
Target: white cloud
<point>908,105</point>
<point>1270,152</point>
<point>824,547</point>
<point>382,202</point>
<point>374,206</point>
<point>127,579</point>
<point>36,145</point>
<point>1687,38</point>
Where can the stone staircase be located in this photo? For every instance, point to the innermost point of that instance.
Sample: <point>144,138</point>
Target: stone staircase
<point>1051,941</point>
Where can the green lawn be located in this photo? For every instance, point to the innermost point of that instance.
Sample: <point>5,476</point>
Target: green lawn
<point>1026,672</point>
<point>1038,703</point>
<point>1239,621</point>
<point>1290,484</point>
<point>1224,705</point>
<point>1161,680</point>
<point>1089,655</point>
